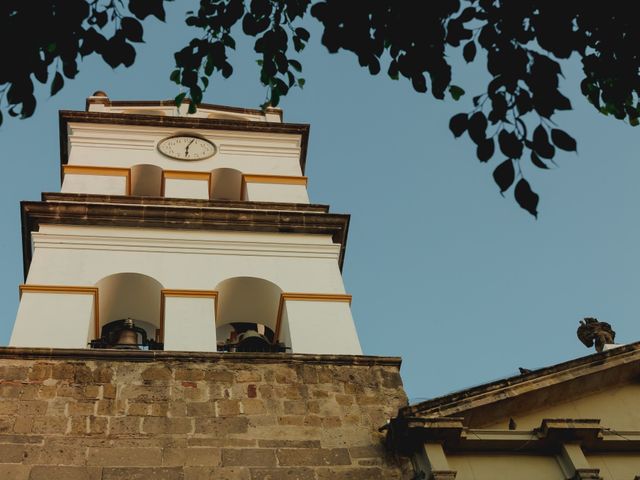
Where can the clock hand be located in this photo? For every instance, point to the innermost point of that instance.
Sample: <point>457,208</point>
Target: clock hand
<point>186,151</point>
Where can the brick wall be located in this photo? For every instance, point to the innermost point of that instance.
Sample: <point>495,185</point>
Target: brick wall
<point>108,415</point>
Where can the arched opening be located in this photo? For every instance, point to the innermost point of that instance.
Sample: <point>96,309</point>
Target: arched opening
<point>124,297</point>
<point>247,316</point>
<point>226,184</point>
<point>146,180</point>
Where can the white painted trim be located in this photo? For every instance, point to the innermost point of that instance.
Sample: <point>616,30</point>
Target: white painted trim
<point>189,246</point>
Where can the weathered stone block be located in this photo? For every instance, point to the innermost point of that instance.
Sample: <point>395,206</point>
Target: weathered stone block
<point>247,457</point>
<point>253,406</point>
<point>226,408</point>
<point>55,472</point>
<point>192,456</point>
<point>117,456</point>
<point>56,453</point>
<point>219,376</point>
<point>160,425</point>
<point>157,374</point>
<point>63,371</point>
<point>55,425</point>
<point>14,472</point>
<point>81,408</point>
<point>313,456</point>
<point>353,473</point>
<point>216,473</point>
<point>296,473</point>
<point>222,426</point>
<point>189,374</point>
<point>201,409</point>
<point>248,376</point>
<point>156,473</point>
<point>124,425</point>
<point>295,407</point>
<point>13,453</point>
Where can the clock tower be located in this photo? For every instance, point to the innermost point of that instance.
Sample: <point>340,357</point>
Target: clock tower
<point>183,232</point>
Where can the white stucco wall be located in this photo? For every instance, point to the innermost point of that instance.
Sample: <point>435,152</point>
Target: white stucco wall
<point>190,324</point>
<point>186,188</point>
<point>103,184</point>
<point>274,192</point>
<point>322,325</point>
<point>54,320</point>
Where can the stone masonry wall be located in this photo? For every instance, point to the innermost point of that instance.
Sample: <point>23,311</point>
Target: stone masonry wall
<point>112,415</point>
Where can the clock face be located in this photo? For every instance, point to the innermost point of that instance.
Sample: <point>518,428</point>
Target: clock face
<point>186,147</point>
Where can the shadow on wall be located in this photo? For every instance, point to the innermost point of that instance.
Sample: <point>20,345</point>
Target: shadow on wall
<point>248,314</point>
<point>131,295</point>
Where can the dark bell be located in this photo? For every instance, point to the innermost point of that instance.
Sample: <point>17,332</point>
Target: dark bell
<point>128,339</point>
<point>124,335</point>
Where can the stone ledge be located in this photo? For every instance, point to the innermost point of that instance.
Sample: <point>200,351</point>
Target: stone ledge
<point>205,357</point>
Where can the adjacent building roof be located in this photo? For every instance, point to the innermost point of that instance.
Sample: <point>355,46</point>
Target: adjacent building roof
<point>485,404</point>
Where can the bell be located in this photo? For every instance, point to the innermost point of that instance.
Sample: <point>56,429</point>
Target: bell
<point>128,339</point>
<point>252,341</point>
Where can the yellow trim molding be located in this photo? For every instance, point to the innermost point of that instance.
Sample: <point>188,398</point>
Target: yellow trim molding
<point>281,179</point>
<point>168,292</point>
<point>72,290</point>
<point>104,171</point>
<point>306,297</point>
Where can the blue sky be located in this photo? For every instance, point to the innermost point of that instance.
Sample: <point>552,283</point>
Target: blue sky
<point>460,282</point>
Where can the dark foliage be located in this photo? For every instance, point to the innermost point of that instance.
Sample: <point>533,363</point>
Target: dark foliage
<point>522,42</point>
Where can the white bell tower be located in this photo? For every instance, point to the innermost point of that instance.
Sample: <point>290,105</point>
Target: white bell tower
<point>183,232</point>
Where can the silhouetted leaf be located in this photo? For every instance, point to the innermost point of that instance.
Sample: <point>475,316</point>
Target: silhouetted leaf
<point>419,83</point>
<point>504,175</point>
<point>485,150</point>
<point>477,127</point>
<point>469,51</point>
<point>563,140</point>
<point>541,143</point>
<point>132,29</point>
<point>458,124</point>
<point>537,162</point>
<point>179,98</point>
<point>143,8</point>
<point>526,197</point>
<point>57,84</point>
<point>295,65</point>
<point>456,92</point>
<point>510,145</point>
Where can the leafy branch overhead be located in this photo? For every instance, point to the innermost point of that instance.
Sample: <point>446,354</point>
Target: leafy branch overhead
<point>521,42</point>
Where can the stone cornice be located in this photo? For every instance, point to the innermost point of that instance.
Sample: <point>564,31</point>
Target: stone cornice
<point>183,202</point>
<point>186,101</point>
<point>205,357</point>
<point>35,214</point>
<point>406,433</point>
<point>67,116</point>
<point>484,404</point>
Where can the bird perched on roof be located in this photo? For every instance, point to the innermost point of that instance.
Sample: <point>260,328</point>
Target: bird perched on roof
<point>591,331</point>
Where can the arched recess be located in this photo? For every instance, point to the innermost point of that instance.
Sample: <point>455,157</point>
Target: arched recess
<point>247,303</point>
<point>226,184</point>
<point>130,295</point>
<point>146,180</point>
